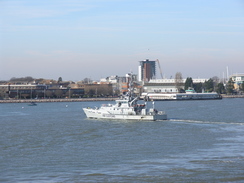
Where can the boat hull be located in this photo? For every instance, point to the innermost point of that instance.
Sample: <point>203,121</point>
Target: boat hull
<point>96,114</point>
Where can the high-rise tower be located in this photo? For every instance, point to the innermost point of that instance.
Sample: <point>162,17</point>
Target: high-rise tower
<point>146,70</point>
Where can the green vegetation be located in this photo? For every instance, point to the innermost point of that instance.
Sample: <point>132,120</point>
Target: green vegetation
<point>242,87</point>
<point>213,85</point>
<point>209,85</point>
<point>230,87</point>
<point>189,83</point>
<point>198,87</point>
<point>220,88</point>
<point>60,79</point>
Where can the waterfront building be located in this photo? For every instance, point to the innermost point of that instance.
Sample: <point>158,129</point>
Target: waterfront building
<point>238,79</point>
<point>29,91</point>
<point>24,90</point>
<point>119,83</point>
<point>9,87</point>
<point>166,85</point>
<point>146,70</point>
<point>97,90</point>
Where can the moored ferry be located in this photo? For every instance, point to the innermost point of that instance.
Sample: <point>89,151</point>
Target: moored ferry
<point>189,95</point>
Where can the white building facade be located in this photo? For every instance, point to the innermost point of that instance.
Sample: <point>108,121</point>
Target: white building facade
<point>166,85</point>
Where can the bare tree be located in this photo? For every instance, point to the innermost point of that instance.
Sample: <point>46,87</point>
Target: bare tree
<point>86,81</point>
<point>178,81</point>
<point>3,93</point>
<point>216,81</point>
<point>27,79</point>
<point>58,93</point>
<point>69,93</point>
<point>49,93</point>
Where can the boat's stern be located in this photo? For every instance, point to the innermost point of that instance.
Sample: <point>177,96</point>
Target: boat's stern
<point>161,115</point>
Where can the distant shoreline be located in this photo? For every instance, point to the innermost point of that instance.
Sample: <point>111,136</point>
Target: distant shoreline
<point>56,100</point>
<point>81,99</point>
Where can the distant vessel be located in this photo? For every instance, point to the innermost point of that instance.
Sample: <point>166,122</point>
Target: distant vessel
<point>126,108</point>
<point>32,104</point>
<point>189,95</point>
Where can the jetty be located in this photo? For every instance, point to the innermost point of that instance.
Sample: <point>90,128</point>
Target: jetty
<point>232,96</point>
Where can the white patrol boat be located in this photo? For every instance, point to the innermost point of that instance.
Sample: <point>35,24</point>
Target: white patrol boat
<point>126,108</point>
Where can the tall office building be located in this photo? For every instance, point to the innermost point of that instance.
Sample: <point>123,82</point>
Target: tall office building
<point>146,70</point>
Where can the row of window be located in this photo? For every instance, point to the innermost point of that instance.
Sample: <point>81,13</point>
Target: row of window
<point>17,87</point>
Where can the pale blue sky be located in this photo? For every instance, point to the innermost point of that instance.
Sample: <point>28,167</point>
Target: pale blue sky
<point>75,39</point>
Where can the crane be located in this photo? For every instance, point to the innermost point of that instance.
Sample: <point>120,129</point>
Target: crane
<point>160,69</point>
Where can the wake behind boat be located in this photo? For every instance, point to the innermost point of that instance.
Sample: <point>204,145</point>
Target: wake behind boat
<point>126,108</point>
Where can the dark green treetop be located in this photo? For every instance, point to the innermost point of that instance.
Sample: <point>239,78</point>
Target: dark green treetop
<point>209,85</point>
<point>188,83</point>
<point>230,86</point>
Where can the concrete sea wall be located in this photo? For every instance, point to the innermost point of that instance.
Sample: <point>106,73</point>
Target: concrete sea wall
<point>56,100</point>
<point>232,96</point>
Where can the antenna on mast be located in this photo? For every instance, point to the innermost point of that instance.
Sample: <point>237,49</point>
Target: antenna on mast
<point>227,73</point>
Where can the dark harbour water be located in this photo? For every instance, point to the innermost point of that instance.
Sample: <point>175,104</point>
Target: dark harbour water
<point>203,141</point>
